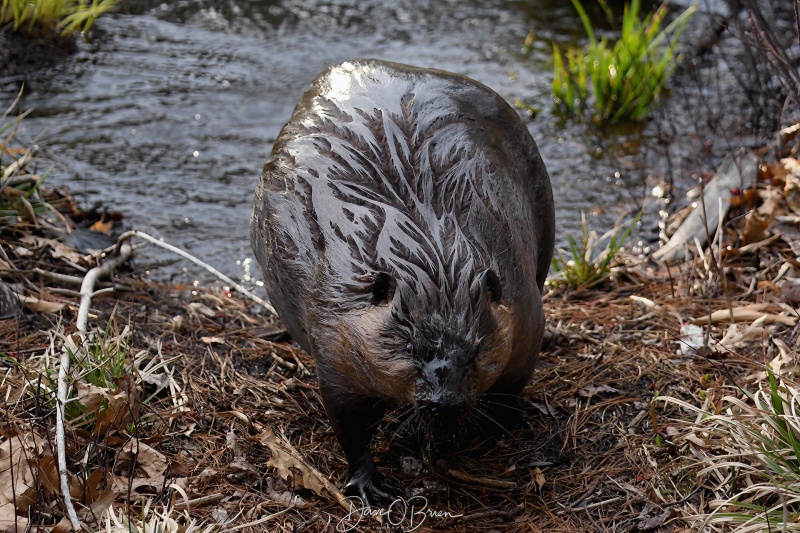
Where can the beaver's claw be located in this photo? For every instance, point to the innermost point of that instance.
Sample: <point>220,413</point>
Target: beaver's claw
<point>373,488</point>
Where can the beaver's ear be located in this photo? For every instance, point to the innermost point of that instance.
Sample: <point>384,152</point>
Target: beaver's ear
<point>493,287</point>
<point>383,286</point>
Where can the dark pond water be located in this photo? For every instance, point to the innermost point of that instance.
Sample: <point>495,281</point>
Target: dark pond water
<point>171,110</point>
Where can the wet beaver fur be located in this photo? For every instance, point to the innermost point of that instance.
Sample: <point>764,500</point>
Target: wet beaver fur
<point>404,228</point>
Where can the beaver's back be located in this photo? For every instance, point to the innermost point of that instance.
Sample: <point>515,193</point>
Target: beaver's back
<point>427,175</point>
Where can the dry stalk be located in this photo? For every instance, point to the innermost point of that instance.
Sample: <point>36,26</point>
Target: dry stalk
<point>198,262</point>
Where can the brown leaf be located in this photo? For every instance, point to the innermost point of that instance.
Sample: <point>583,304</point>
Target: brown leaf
<point>538,477</point>
<point>775,172</point>
<point>150,460</point>
<point>792,193</point>
<point>92,396</point>
<point>101,504</point>
<point>102,227</point>
<point>41,306</point>
<point>790,290</point>
<point>746,200</point>
<point>123,406</point>
<point>290,465</point>
<point>593,390</point>
<point>10,522</point>
<point>48,475</point>
<point>789,229</point>
<point>18,486</point>
<point>58,251</point>
<point>91,490</point>
<point>115,414</point>
<point>755,228</point>
<point>64,526</point>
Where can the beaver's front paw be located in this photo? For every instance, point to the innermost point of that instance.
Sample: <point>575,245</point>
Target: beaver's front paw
<point>373,488</point>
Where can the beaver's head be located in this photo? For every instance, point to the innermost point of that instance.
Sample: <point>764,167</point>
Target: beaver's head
<point>438,350</point>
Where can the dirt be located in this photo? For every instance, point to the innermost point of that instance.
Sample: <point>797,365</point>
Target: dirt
<point>22,53</point>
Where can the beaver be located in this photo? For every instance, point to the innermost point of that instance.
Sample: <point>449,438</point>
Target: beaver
<point>404,227</point>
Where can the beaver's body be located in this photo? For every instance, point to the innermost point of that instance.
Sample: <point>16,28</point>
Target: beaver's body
<point>404,226</point>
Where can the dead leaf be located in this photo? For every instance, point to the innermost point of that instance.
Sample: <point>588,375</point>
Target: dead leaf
<point>18,487</point>
<point>746,313</point>
<point>649,523</point>
<point>784,362</point>
<point>102,227</point>
<point>101,504</point>
<point>789,228</point>
<point>150,460</point>
<point>48,475</point>
<point>746,200</point>
<point>203,309</point>
<point>290,465</point>
<point>790,290</point>
<point>538,477</point>
<point>58,249</point>
<point>772,203</point>
<point>41,306</point>
<point>123,406</point>
<point>737,336</point>
<point>697,441</point>
<point>590,391</point>
<point>213,340</point>
<point>774,173</point>
<point>64,526</point>
<point>755,228</point>
<point>92,396</point>
<point>791,192</point>
<point>10,522</point>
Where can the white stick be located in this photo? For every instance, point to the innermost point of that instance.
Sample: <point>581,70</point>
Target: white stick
<point>87,287</point>
<point>198,262</point>
<point>62,452</point>
<point>87,290</point>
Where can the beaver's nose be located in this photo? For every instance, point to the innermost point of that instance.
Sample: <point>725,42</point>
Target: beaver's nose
<point>442,403</point>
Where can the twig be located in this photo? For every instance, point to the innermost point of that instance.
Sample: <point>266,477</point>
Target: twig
<point>87,291</point>
<point>259,521</point>
<point>198,262</point>
<point>60,443</point>
<point>87,287</point>
<point>491,513</point>
<point>482,481</point>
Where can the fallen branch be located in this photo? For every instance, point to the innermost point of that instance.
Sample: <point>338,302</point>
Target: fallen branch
<point>87,291</point>
<point>198,262</point>
<point>87,287</point>
<point>60,443</point>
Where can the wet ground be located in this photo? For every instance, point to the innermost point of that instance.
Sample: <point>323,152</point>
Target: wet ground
<point>169,112</point>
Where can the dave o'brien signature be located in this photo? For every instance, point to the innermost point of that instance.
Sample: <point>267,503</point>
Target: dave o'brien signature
<point>411,513</point>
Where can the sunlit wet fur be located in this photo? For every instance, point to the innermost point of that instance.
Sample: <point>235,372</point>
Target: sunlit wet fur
<point>432,179</point>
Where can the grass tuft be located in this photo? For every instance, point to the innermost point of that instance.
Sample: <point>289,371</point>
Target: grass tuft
<point>67,16</point>
<point>581,266</point>
<point>751,459</point>
<point>626,78</point>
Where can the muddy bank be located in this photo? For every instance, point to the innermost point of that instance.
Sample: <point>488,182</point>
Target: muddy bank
<point>22,54</point>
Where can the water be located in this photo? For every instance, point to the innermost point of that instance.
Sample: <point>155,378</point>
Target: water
<point>170,112</point>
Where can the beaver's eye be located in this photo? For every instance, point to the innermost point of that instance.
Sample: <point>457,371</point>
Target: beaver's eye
<point>409,348</point>
<point>493,287</point>
<point>382,288</point>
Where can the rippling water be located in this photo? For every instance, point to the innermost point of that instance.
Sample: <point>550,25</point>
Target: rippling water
<point>170,112</point>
